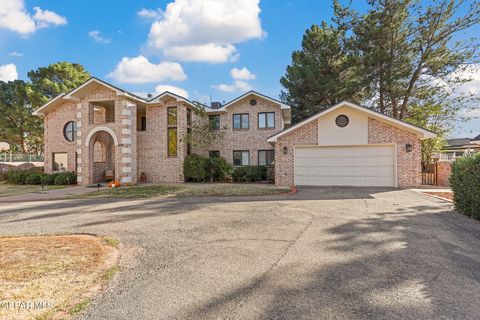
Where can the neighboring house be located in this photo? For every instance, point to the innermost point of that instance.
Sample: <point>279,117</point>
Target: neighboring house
<point>459,147</point>
<point>349,145</point>
<point>98,128</point>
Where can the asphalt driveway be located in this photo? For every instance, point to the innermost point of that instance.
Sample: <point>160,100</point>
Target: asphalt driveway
<point>323,253</point>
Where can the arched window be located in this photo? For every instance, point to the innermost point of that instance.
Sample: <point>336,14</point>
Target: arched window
<point>70,131</point>
<point>99,152</point>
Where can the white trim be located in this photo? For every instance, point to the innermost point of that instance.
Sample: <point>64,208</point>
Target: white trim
<point>224,108</point>
<point>97,129</point>
<point>425,133</point>
<point>172,95</point>
<point>69,95</point>
<point>39,111</point>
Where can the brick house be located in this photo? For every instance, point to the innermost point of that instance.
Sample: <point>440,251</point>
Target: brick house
<point>98,128</point>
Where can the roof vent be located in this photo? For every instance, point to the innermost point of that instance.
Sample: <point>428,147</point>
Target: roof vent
<point>149,95</point>
<point>216,105</point>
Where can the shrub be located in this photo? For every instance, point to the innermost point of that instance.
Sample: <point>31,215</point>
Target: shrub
<point>17,176</point>
<point>249,174</point>
<point>465,183</point>
<point>34,178</point>
<point>65,178</point>
<point>194,168</point>
<point>48,179</point>
<point>217,169</point>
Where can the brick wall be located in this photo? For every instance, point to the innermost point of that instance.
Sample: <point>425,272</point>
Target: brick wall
<point>408,163</point>
<point>284,166</point>
<point>251,139</point>
<point>444,169</point>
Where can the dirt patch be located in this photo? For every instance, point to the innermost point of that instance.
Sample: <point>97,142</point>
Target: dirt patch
<point>52,277</point>
<point>443,195</point>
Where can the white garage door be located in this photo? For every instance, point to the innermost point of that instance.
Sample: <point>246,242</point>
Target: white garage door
<point>345,166</point>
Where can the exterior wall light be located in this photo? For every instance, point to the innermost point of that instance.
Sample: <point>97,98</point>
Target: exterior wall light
<point>408,147</point>
<point>285,150</point>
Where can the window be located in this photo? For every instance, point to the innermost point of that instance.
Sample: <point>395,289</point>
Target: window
<point>214,154</point>
<point>60,161</point>
<point>189,117</point>
<point>70,131</point>
<point>241,158</point>
<point>214,122</point>
<point>342,121</point>
<point>143,124</point>
<point>266,157</point>
<point>240,121</point>
<point>172,116</point>
<point>189,140</point>
<point>266,120</point>
<point>99,152</point>
<point>172,142</point>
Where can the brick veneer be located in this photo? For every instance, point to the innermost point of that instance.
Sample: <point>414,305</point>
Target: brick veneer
<point>408,163</point>
<point>251,139</point>
<point>284,166</point>
<point>444,169</point>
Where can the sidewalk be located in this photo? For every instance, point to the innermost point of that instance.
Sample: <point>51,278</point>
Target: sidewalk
<point>47,195</point>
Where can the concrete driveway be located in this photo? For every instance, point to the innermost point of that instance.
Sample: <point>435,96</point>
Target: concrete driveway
<point>323,253</point>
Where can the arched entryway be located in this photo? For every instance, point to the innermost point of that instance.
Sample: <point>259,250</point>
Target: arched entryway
<point>101,149</point>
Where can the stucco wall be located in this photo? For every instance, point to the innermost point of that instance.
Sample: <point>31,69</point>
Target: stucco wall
<point>356,132</point>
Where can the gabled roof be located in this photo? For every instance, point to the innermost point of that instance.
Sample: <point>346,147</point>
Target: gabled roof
<point>251,92</point>
<point>457,142</point>
<point>71,95</point>
<point>477,138</point>
<point>421,131</point>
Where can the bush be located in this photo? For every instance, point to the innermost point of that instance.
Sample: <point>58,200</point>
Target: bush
<point>194,168</point>
<point>34,178</point>
<point>17,176</point>
<point>217,169</point>
<point>465,183</point>
<point>65,178</point>
<point>249,174</point>
<point>48,179</point>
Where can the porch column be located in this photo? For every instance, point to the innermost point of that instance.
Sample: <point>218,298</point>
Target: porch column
<point>128,143</point>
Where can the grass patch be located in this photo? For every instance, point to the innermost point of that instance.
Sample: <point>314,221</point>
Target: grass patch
<point>112,242</point>
<point>58,271</point>
<point>185,190</point>
<point>79,307</point>
<point>110,273</point>
<point>14,189</point>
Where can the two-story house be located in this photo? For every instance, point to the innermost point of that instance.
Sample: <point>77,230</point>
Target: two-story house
<point>98,128</point>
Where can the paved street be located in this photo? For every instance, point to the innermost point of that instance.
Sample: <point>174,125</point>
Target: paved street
<point>323,253</point>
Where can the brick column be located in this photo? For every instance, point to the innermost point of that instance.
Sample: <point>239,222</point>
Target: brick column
<point>128,143</point>
<point>80,177</point>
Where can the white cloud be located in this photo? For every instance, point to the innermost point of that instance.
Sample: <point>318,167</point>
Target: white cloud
<point>203,53</point>
<point>236,86</point>
<point>165,87</point>
<point>14,17</point>
<point>205,30</point>
<point>242,74</point>
<point>240,78</point>
<point>97,36</point>
<point>8,72</point>
<point>140,70</point>
<point>471,73</point>
<point>150,14</point>
<point>46,18</point>
<point>15,54</point>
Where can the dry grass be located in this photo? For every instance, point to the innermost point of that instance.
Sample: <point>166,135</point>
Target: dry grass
<point>14,189</point>
<point>63,271</point>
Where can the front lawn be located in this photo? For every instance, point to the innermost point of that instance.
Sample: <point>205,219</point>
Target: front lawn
<point>45,277</point>
<point>7,189</point>
<point>185,190</point>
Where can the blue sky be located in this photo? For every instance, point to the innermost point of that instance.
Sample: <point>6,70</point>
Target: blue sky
<point>99,34</point>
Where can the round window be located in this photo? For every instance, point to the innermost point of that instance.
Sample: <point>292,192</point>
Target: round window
<point>342,121</point>
<point>70,131</point>
<point>253,102</point>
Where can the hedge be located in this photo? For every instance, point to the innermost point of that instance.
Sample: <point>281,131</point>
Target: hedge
<point>465,183</point>
<point>249,174</point>
<point>33,177</point>
<point>201,169</point>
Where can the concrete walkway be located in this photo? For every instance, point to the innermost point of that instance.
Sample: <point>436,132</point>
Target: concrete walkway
<point>47,195</point>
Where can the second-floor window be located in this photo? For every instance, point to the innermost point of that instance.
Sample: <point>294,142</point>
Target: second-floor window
<point>172,116</point>
<point>240,121</point>
<point>214,121</point>
<point>172,137</point>
<point>266,120</point>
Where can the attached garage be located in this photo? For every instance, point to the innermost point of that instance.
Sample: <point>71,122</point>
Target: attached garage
<point>349,145</point>
<point>369,165</point>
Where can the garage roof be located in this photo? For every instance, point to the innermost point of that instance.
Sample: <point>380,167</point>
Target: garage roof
<point>424,133</point>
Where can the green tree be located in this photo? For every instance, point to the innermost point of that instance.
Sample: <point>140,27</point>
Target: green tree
<point>203,134</point>
<point>57,78</point>
<point>19,127</point>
